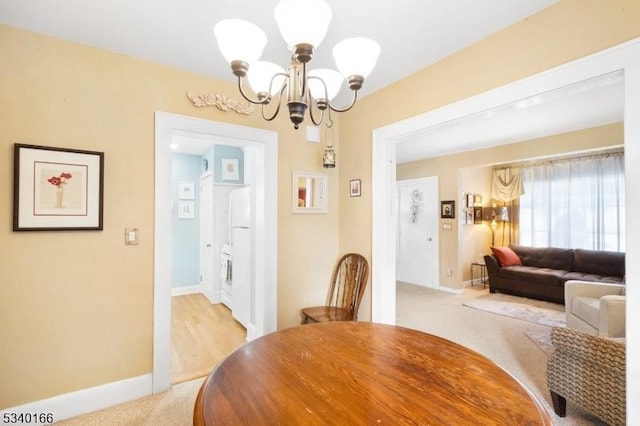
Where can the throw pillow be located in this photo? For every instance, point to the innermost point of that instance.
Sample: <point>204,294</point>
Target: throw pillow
<point>506,256</point>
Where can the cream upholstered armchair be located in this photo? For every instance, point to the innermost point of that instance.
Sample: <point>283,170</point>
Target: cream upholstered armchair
<point>595,308</point>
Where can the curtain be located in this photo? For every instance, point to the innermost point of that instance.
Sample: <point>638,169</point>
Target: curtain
<point>574,203</point>
<point>506,185</point>
<point>507,188</point>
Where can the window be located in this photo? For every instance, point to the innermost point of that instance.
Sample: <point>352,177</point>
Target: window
<point>574,203</point>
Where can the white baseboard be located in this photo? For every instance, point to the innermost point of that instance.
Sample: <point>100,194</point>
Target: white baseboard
<point>88,400</point>
<point>186,289</point>
<point>212,296</point>
<point>475,283</point>
<point>449,289</point>
<point>251,332</point>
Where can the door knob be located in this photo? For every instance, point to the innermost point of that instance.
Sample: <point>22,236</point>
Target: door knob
<point>429,239</point>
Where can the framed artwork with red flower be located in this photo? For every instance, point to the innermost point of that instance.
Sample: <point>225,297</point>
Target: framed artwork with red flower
<point>57,189</point>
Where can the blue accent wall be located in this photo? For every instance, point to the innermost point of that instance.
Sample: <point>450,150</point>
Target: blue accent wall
<point>185,251</point>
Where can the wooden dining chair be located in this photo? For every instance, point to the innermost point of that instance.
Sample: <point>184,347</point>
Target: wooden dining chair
<point>346,289</point>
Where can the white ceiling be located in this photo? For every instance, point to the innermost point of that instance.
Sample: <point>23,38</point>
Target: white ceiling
<point>412,34</point>
<point>591,103</point>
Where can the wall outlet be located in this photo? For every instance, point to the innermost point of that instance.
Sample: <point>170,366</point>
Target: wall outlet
<point>449,272</point>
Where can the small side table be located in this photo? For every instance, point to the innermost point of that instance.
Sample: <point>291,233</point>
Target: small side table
<point>482,269</point>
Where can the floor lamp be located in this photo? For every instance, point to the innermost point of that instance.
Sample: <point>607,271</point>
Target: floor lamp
<point>494,215</point>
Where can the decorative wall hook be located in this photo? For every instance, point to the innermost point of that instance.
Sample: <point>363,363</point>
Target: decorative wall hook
<point>220,101</point>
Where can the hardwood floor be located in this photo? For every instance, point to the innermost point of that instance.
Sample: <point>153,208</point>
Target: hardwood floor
<point>202,335</point>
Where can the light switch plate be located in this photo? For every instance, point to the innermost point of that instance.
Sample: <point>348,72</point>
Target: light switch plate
<point>313,134</point>
<point>131,236</point>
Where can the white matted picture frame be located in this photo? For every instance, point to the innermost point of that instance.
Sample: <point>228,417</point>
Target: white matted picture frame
<point>355,189</point>
<point>57,189</point>
<point>186,209</point>
<point>229,169</point>
<point>186,191</point>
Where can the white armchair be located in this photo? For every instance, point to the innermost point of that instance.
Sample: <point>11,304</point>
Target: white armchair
<point>595,308</point>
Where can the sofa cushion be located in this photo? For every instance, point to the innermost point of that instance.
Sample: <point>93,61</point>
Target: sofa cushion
<point>532,275</point>
<point>599,262</point>
<point>545,257</point>
<point>506,256</point>
<point>581,276</point>
<point>587,309</point>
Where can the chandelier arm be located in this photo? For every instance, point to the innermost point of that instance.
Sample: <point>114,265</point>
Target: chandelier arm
<point>347,108</point>
<point>313,119</point>
<point>275,114</point>
<point>273,79</point>
<point>253,101</point>
<point>324,85</point>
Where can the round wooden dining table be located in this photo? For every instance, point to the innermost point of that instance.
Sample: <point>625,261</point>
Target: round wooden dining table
<point>351,373</point>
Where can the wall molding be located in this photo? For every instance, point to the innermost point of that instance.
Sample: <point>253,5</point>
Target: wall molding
<point>186,289</point>
<point>88,400</point>
<point>220,101</point>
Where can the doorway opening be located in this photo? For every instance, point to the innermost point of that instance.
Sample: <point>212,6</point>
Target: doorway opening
<point>386,141</point>
<point>205,325</point>
<point>264,264</point>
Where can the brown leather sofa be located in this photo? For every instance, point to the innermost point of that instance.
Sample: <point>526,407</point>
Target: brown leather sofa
<point>544,271</point>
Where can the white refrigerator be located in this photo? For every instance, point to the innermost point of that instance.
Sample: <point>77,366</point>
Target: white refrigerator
<point>240,241</point>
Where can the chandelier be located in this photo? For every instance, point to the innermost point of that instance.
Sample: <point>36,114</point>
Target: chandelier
<point>303,25</point>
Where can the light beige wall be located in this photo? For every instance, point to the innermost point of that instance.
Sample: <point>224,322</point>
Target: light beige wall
<point>565,31</point>
<point>76,308</point>
<point>474,239</point>
<point>471,172</point>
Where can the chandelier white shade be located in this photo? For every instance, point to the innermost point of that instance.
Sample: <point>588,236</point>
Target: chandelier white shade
<point>330,79</point>
<point>356,56</point>
<point>302,21</point>
<point>303,25</point>
<point>261,76</point>
<point>247,47</point>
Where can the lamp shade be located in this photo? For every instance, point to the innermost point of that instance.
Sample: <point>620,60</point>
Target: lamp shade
<point>302,21</point>
<point>499,214</point>
<point>332,79</point>
<point>239,40</point>
<point>356,56</point>
<point>260,75</point>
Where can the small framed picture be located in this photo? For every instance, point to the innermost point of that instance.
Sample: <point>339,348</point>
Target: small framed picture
<point>477,215</point>
<point>448,209</point>
<point>469,216</point>
<point>469,200</point>
<point>57,189</point>
<point>229,169</point>
<point>354,188</point>
<point>186,209</point>
<point>186,191</point>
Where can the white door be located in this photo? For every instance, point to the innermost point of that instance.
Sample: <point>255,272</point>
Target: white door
<point>207,258</point>
<point>417,254</point>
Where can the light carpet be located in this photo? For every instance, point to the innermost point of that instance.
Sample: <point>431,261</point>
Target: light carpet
<point>535,311</point>
<point>542,339</point>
